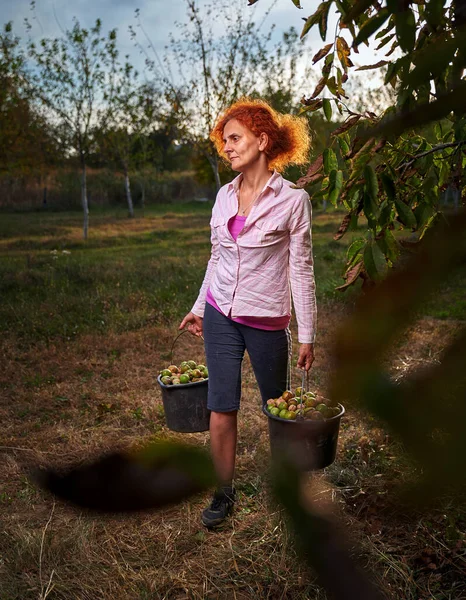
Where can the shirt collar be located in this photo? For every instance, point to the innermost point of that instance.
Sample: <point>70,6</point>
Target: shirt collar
<point>275,183</point>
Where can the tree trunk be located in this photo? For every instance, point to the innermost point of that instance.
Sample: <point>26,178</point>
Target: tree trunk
<point>128,195</point>
<point>213,161</point>
<point>143,195</point>
<point>84,199</point>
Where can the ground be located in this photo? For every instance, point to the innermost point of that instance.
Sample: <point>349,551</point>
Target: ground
<point>74,387</point>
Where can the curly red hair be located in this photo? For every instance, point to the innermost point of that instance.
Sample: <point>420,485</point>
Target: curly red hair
<point>289,138</point>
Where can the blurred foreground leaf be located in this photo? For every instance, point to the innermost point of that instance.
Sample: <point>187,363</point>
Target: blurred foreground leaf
<point>320,541</point>
<point>427,411</point>
<point>160,474</point>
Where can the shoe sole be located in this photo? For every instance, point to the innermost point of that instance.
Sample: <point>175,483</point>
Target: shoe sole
<point>212,524</point>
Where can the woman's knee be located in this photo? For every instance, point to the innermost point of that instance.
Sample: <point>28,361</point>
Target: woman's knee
<point>223,421</point>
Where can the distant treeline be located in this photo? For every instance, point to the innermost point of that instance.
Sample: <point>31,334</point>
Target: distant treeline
<point>60,189</point>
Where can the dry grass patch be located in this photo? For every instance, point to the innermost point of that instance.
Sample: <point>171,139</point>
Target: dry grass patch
<point>67,401</point>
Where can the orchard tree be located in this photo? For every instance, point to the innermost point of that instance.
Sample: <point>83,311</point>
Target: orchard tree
<point>74,79</point>
<point>133,115</point>
<point>392,168</point>
<point>27,140</point>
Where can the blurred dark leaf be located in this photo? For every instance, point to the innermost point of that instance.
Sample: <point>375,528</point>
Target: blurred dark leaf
<point>370,26</point>
<point>359,7</point>
<point>430,61</point>
<point>381,313</point>
<point>321,542</point>
<point>158,475</point>
<point>422,114</point>
<point>405,24</point>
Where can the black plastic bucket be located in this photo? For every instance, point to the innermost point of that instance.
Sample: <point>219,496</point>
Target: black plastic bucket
<point>185,406</point>
<point>311,445</point>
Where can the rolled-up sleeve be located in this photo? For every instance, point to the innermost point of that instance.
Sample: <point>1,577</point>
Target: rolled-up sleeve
<point>301,268</point>
<point>199,305</point>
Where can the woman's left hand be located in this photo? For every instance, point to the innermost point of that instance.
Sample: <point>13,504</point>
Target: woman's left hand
<point>306,356</point>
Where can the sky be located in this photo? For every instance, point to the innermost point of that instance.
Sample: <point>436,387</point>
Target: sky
<point>158,18</point>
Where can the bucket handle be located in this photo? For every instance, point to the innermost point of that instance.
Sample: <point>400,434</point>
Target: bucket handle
<point>176,339</point>
<point>304,387</point>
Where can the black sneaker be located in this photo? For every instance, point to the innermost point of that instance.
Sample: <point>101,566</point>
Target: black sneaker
<point>220,507</point>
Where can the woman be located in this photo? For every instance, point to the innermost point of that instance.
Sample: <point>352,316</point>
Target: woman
<point>261,250</point>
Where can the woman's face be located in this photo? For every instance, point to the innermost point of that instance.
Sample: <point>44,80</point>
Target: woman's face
<point>241,146</point>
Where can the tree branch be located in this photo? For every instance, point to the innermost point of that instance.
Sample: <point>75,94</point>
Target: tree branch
<point>434,149</point>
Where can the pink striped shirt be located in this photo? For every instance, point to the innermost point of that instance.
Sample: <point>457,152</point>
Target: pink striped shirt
<point>235,225</point>
<point>271,259</point>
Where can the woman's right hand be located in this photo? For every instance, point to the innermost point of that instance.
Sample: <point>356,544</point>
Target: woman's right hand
<point>194,324</point>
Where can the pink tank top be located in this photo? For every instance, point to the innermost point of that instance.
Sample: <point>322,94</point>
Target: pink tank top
<point>235,225</point>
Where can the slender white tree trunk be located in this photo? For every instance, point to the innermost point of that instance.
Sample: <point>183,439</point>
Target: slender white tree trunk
<point>84,199</point>
<point>213,161</point>
<point>128,195</point>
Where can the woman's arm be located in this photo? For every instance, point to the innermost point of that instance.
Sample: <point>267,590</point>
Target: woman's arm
<point>301,266</point>
<point>199,305</point>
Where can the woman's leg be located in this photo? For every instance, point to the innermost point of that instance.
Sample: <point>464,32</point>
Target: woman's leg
<point>224,346</point>
<point>268,352</point>
<point>223,433</point>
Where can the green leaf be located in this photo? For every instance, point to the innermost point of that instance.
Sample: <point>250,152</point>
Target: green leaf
<point>359,7</point>
<point>430,62</point>
<point>385,216</point>
<point>323,19</point>
<point>332,86</point>
<point>335,185</point>
<point>388,186</point>
<point>315,18</point>
<point>354,249</point>
<point>421,113</point>
<point>370,26</point>
<point>434,12</point>
<point>423,213</point>
<point>389,246</point>
<point>374,261</point>
<point>344,148</point>
<point>330,161</point>
<point>327,109</point>
<point>296,3</point>
<point>371,184</point>
<point>405,29</point>
<point>370,209</point>
<point>405,214</point>
<point>383,32</point>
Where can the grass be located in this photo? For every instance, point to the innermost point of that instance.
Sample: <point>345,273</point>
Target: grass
<point>127,275</point>
<point>83,336</point>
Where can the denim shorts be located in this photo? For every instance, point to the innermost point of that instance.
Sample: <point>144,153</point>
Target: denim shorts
<point>225,342</point>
